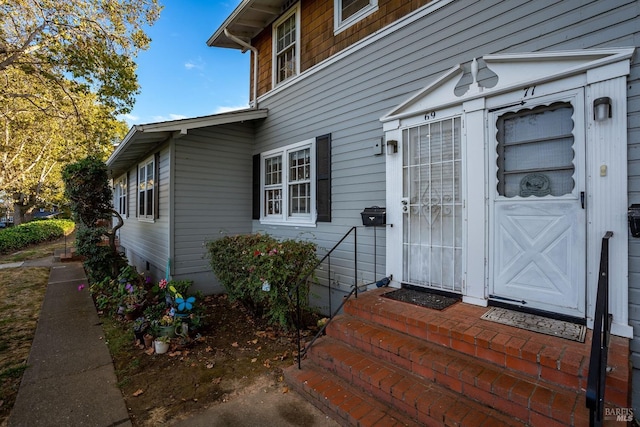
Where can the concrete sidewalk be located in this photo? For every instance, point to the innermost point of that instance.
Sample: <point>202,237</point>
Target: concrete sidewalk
<point>70,379</point>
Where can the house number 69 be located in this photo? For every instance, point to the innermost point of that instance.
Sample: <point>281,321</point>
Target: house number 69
<point>430,115</point>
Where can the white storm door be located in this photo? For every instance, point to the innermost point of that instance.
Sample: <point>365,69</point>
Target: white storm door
<point>538,213</point>
<point>432,205</point>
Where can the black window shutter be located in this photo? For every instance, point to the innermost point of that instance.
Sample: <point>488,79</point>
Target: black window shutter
<point>136,200</point>
<point>156,186</point>
<point>256,187</point>
<point>323,178</point>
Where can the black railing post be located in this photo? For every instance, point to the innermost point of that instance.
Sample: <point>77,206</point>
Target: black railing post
<point>355,257</point>
<point>600,342</point>
<point>329,277</point>
<point>299,326</point>
<point>302,351</point>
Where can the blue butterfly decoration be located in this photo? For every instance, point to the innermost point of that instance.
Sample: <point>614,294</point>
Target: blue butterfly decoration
<point>185,304</point>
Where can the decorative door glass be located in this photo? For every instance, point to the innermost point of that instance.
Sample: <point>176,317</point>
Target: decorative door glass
<point>535,152</point>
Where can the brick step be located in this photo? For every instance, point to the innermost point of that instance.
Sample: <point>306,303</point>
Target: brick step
<point>518,394</point>
<point>461,328</point>
<point>425,402</point>
<point>345,404</point>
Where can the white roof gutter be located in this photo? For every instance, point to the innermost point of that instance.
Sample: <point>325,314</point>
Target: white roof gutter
<point>255,63</point>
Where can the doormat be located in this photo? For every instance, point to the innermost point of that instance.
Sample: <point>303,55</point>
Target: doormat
<point>422,298</point>
<point>535,323</point>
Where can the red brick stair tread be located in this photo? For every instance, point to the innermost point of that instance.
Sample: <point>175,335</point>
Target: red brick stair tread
<point>418,398</point>
<point>333,394</point>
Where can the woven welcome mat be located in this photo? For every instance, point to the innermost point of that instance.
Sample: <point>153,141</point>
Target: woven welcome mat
<point>422,298</point>
<point>535,323</point>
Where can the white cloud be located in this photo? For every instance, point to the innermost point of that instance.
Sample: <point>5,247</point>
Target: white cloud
<point>129,118</point>
<point>224,109</point>
<point>198,64</point>
<point>170,117</point>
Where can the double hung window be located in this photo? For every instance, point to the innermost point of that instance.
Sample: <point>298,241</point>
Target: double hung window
<point>286,46</point>
<point>288,184</point>
<point>146,193</point>
<point>120,195</point>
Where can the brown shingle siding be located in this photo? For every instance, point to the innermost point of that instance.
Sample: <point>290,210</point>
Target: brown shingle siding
<point>317,41</point>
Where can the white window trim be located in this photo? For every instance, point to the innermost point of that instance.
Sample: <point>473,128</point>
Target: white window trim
<point>285,218</point>
<point>274,41</point>
<point>148,217</point>
<point>340,25</point>
<point>120,192</point>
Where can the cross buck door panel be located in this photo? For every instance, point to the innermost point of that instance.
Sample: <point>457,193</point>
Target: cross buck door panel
<point>432,205</point>
<point>538,216</point>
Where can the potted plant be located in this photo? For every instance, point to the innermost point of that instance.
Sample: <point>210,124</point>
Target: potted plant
<point>161,344</point>
<point>140,326</point>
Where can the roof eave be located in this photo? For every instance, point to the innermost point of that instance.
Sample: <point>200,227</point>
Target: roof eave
<point>246,22</point>
<point>147,136</point>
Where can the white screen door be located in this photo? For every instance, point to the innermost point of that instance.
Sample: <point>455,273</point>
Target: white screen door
<point>432,205</point>
<point>538,216</point>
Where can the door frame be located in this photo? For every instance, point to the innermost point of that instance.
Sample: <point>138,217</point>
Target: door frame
<point>601,73</point>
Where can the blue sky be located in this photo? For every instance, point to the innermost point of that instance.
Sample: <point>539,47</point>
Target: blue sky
<point>179,75</point>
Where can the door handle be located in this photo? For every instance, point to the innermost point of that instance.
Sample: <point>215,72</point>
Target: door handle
<point>582,199</point>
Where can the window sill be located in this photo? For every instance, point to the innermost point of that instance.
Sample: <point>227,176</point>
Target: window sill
<point>150,220</point>
<point>288,223</point>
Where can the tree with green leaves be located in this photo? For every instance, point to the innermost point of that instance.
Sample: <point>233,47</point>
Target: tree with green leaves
<point>88,191</point>
<point>66,71</point>
<point>92,42</point>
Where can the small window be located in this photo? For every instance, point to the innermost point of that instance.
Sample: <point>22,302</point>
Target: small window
<point>286,46</point>
<point>146,182</point>
<point>120,195</point>
<point>535,152</point>
<point>288,184</point>
<point>348,12</point>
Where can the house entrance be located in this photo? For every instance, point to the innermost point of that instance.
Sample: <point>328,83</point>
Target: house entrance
<point>432,205</point>
<point>537,212</point>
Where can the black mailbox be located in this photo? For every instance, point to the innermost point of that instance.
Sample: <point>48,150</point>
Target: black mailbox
<point>374,216</point>
<point>634,219</point>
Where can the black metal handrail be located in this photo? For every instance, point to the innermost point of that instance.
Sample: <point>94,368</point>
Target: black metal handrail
<point>600,341</point>
<point>306,278</point>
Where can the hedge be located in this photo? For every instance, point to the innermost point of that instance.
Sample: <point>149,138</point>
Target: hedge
<point>24,235</point>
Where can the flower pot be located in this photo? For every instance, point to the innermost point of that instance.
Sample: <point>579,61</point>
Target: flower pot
<point>167,331</point>
<point>148,340</point>
<point>161,347</point>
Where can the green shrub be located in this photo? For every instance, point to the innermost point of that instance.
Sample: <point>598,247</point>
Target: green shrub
<point>17,238</point>
<point>101,261</point>
<point>262,273</point>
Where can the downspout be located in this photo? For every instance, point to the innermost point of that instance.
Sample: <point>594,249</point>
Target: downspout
<point>255,64</point>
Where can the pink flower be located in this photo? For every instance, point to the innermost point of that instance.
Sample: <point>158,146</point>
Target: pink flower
<point>81,287</point>
<point>162,284</point>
